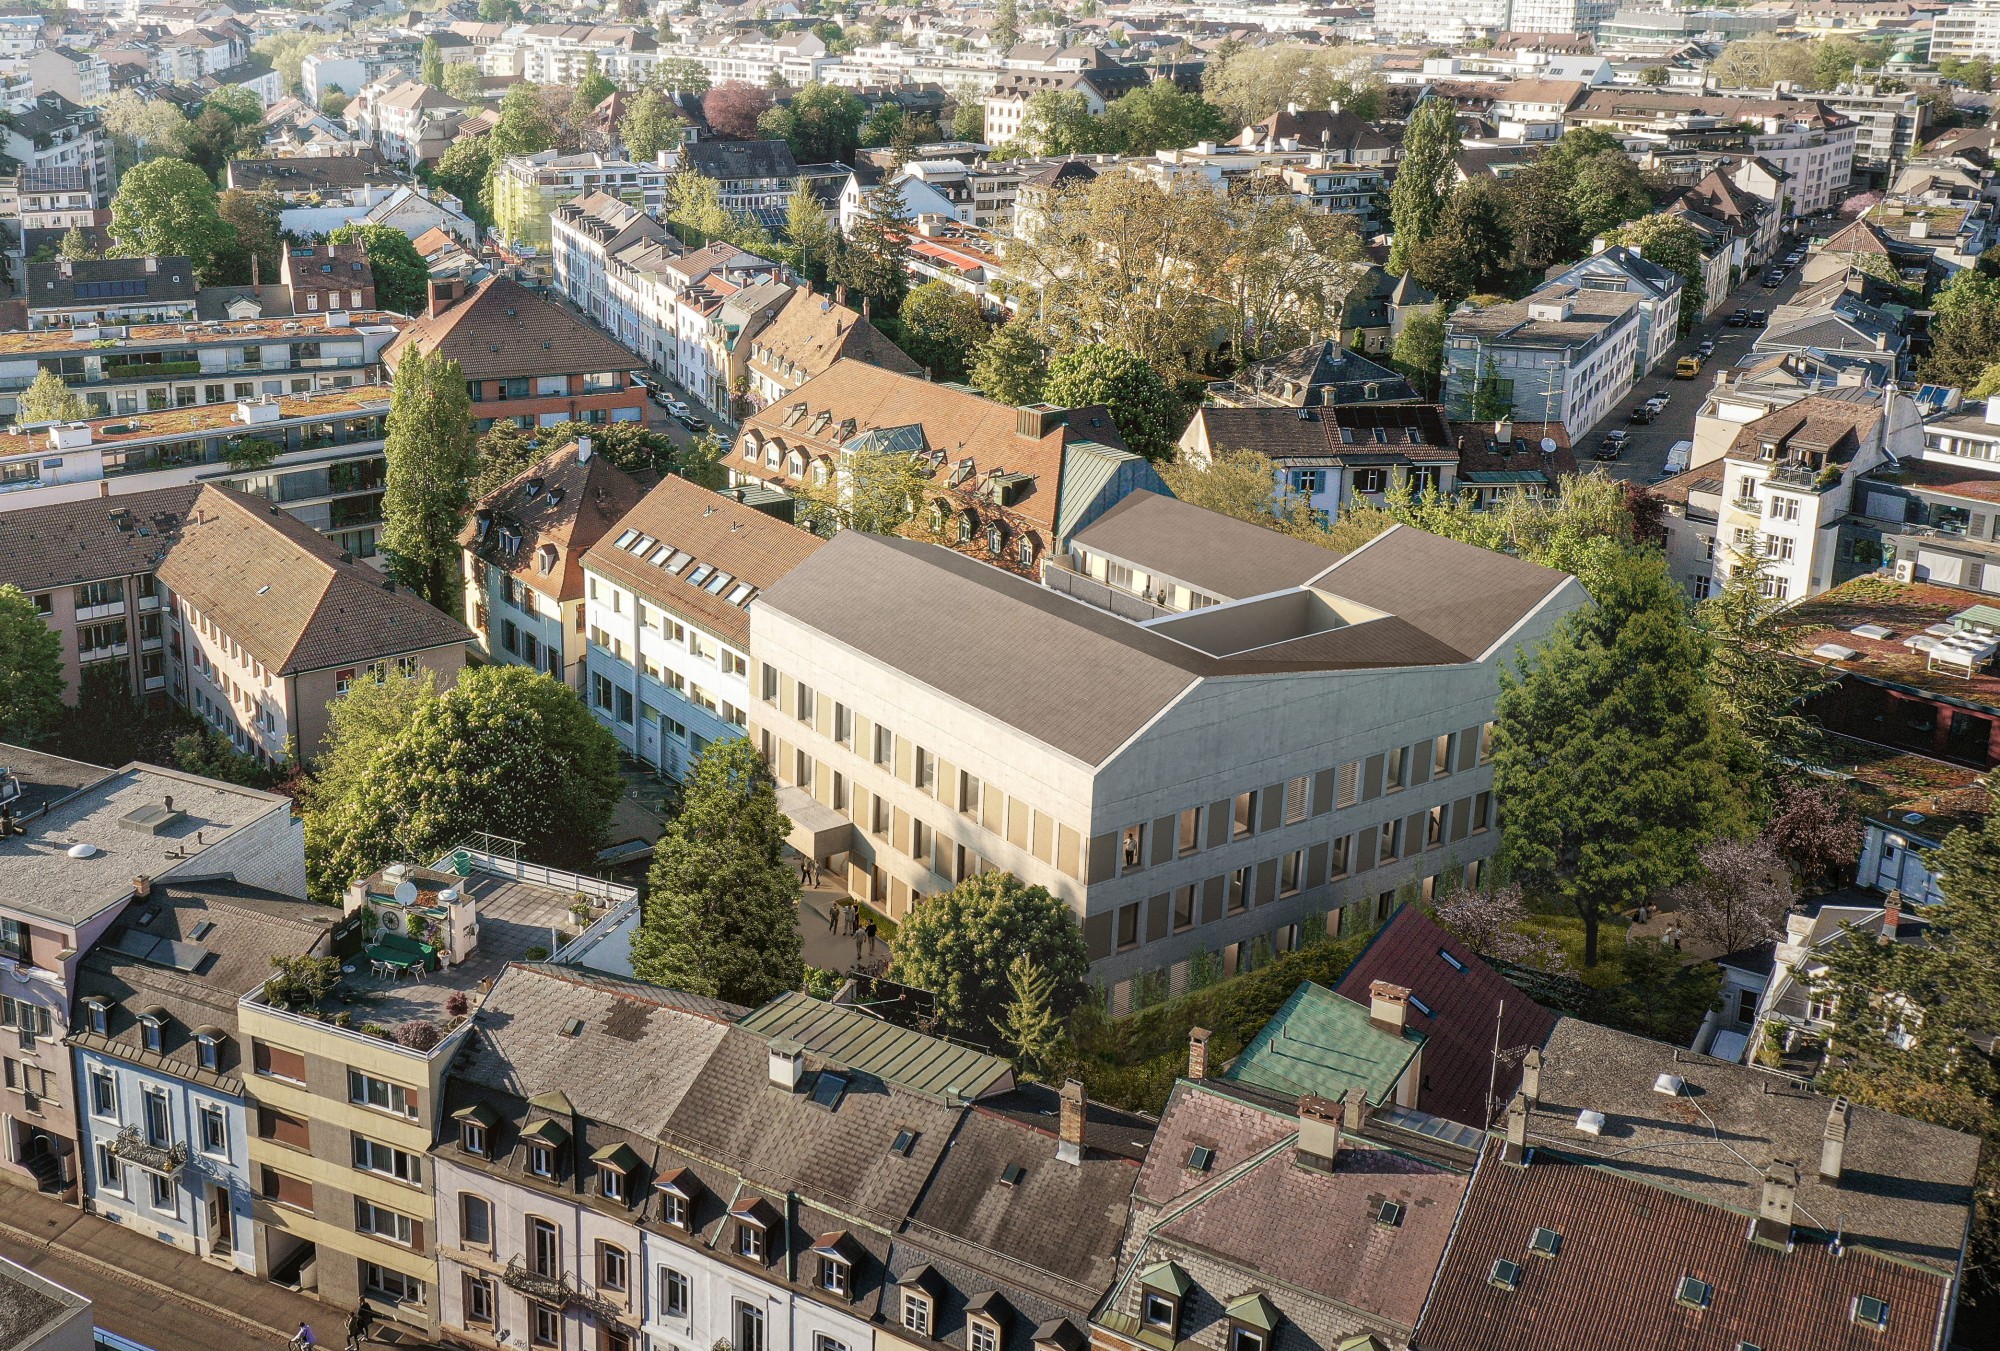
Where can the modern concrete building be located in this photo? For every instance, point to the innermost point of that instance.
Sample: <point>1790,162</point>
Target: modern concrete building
<point>1567,354</point>
<point>1198,787</point>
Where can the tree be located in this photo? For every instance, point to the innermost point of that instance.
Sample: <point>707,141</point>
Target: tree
<point>1028,1025</point>
<point>1145,410</point>
<point>1160,115</point>
<point>255,217</point>
<point>1673,244</point>
<point>822,123</point>
<point>1419,351</point>
<point>334,101</point>
<point>812,233</point>
<point>402,280</point>
<point>1471,247</point>
<point>695,206</point>
<point>49,399</point>
<point>883,126</point>
<point>678,75</point>
<point>1493,924</point>
<point>721,911</point>
<point>432,454</point>
<point>75,245</point>
<point>525,127</point>
<point>287,53</point>
<point>464,171</point>
<point>168,206</point>
<point>872,491</point>
<point>1814,827</point>
<point>1545,229</point>
<point>1011,365</point>
<point>733,107</point>
<point>1252,84</point>
<point>960,943</point>
<point>1424,177</point>
<point>1964,328</point>
<point>463,81</point>
<point>421,770</point>
<point>871,264</point>
<point>591,90</point>
<point>499,11</point>
<point>1607,191</point>
<point>230,123</point>
<point>31,668</point>
<point>650,126</point>
<point>1239,482</point>
<point>1611,765</point>
<point>508,449</point>
<point>1739,897</point>
<point>1280,271</point>
<point>1761,62</point>
<point>1836,56</point>
<point>942,329</point>
<point>140,129</point>
<point>1492,397</point>
<point>968,114</point>
<point>1060,122</point>
<point>1757,685</point>
<point>1653,77</point>
<point>432,66</point>
<point>1006,29</point>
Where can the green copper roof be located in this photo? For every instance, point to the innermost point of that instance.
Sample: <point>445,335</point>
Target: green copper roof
<point>858,1040</point>
<point>1166,1278</point>
<point>1254,1310</point>
<point>1322,1043</point>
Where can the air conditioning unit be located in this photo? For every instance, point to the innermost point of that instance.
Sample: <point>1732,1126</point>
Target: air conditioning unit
<point>1906,569</point>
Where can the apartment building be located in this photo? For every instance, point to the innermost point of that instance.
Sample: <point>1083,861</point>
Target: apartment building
<point>807,337</point>
<point>1006,104</point>
<point>1812,142</point>
<point>324,278</point>
<point>1966,31</point>
<point>527,189</point>
<point>346,1110</point>
<point>564,53</point>
<point>524,549</point>
<point>607,254</point>
<point>1338,455</point>
<point>1306,780</point>
<point>667,611</point>
<point>755,58</point>
<point>53,134</point>
<point>526,359</point>
<point>1441,20</point>
<point>1619,268</point>
<point>719,320</point>
<point>406,121</point>
<point>1888,125</point>
<point>165,1118</point>
<point>81,77</point>
<point>1568,354</point>
<point>92,292</point>
<point>753,178</point>
<point>85,840</point>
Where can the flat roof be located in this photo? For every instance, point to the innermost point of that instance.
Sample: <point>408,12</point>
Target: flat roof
<point>1903,608</point>
<point>192,333</point>
<point>42,879</point>
<point>209,419</point>
<point>32,1307</point>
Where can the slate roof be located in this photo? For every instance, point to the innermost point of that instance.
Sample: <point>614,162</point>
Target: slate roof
<point>312,173</point>
<point>1625,1245</point>
<point>502,330</point>
<point>725,161</point>
<point>1830,422</point>
<point>1323,1043</point>
<point>1216,554</point>
<point>127,279</point>
<point>284,591</point>
<point>1317,128</point>
<point>1322,373</point>
<point>556,501</point>
<point>929,1066</point>
<point>1314,435</point>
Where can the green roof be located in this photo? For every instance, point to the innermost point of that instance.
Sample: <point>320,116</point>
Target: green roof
<point>1320,1042</point>
<point>1984,615</point>
<point>1167,1277</point>
<point>855,1039</point>
<point>1254,1310</point>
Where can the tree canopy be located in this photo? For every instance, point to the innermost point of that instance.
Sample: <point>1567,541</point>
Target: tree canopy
<point>31,669</point>
<point>941,329</point>
<point>48,398</point>
<point>960,945</point>
<point>1147,414</point>
<point>432,456</point>
<point>1424,177</point>
<point>402,280</point>
<point>165,207</point>
<point>822,123</point>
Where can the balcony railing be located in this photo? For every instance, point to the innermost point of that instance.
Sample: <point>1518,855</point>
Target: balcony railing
<point>165,1159</point>
<point>555,1289</point>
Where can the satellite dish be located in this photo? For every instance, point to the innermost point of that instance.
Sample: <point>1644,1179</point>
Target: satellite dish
<point>1548,445</point>
<point>406,892</point>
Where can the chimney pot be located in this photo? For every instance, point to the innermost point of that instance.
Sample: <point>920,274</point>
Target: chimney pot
<point>1198,1053</point>
<point>1319,1133</point>
<point>142,886</point>
<point>1515,1148</point>
<point>1892,918</point>
<point>1389,1006</point>
<point>169,801</point>
<point>1833,1145</point>
<point>1773,1224</point>
<point>1069,1129</point>
<point>1354,1110</point>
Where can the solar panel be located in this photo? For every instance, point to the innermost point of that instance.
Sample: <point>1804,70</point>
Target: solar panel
<point>179,956</point>
<point>102,290</point>
<point>133,943</point>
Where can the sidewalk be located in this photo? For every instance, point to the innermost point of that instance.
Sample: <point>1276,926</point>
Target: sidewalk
<point>823,947</point>
<point>261,1310</point>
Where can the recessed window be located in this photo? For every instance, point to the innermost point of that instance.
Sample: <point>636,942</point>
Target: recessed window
<point>472,1137</point>
<point>1157,1311</point>
<point>674,1293</point>
<point>1694,1293</point>
<point>1246,1339</point>
<point>750,1242</point>
<point>1505,1274</point>
<point>1871,1312</point>
<point>833,1276</point>
<point>475,1224</point>
<point>1200,1158</point>
<point>1545,1243</point>
<point>982,1336</point>
<point>1389,1213</point>
<point>673,1210</point>
<point>541,1161</point>
<point>210,1050</point>
<point>100,1017</point>
<point>153,1034</point>
<point>611,1182</point>
<point>917,1313</point>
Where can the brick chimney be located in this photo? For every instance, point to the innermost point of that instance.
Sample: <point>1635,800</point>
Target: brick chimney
<point>1833,1144</point>
<point>142,887</point>
<point>1773,1224</point>
<point>1069,1127</point>
<point>444,293</point>
<point>1892,918</point>
<point>1198,1053</point>
<point>1320,1122</point>
<point>1389,1006</point>
<point>1354,1110</point>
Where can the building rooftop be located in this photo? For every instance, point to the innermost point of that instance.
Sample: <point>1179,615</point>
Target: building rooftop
<point>80,857</point>
<point>539,524</point>
<point>33,1308</point>
<point>852,1037</point>
<point>76,341</point>
<point>1590,313</point>
<point>175,424</point>
<point>32,780</point>
<point>1215,554</point>
<point>1322,1043</point>
<point>1906,611</point>
<point>502,330</point>
<point>811,333</point>
<point>97,283</point>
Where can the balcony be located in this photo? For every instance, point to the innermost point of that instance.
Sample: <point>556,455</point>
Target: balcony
<point>556,1289</point>
<point>167,1160</point>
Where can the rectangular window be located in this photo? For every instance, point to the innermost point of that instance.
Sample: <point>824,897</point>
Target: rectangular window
<point>1482,811</point>
<point>160,1194</point>
<point>391,1287</point>
<point>1349,790</point>
<point>159,1125</point>
<point>1183,908</point>
<point>1485,743</point>
<point>917,1314</point>
<point>1188,832</point>
<point>103,1094</point>
<point>1443,751</point>
<point>214,1130</point>
<point>544,1248</point>
<point>1243,818</point>
<point>110,1176</point>
<point>365,1090</point>
<point>613,1267</point>
<point>475,1222</point>
<point>283,1127</point>
<point>370,1218</point>
<point>925,771</point>
<point>674,1290</point>
<point>749,1327</point>
<point>1298,799</point>
<point>479,1300</point>
<point>1238,897</point>
<point>285,1189</point>
<point>372,1156</point>
<point>1337,858</point>
<point>1128,925</point>
<point>1132,849</point>
<point>1398,773</point>
<point>982,1337</point>
<point>1387,846</point>
<point>1291,872</point>
<point>545,1327</point>
<point>1434,828</point>
<point>885,745</point>
<point>970,793</point>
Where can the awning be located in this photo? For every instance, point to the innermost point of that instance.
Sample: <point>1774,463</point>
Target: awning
<point>818,831</point>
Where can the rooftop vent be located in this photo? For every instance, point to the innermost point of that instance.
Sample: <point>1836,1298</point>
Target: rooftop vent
<point>153,819</point>
<point>1590,1122</point>
<point>1669,1084</point>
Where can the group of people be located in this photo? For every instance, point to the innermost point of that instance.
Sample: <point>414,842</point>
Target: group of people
<point>357,1332</point>
<point>844,918</point>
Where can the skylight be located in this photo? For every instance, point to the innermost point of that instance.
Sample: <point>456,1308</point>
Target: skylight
<point>1389,1213</point>
<point>1451,961</point>
<point>625,540</point>
<point>1200,1158</point>
<point>1870,1311</point>
<point>1505,1274</point>
<point>743,592</point>
<point>700,574</point>
<point>1012,1174</point>
<point>905,1141</point>
<point>573,1027</point>
<point>828,1090</point>
<point>1693,1292</point>
<point>1545,1243</point>
<point>718,583</point>
<point>1421,1007</point>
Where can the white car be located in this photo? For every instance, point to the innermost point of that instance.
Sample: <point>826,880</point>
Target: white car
<point>677,408</point>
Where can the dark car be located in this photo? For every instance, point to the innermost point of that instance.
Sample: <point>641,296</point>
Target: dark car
<point>695,425</point>
<point>1611,446</point>
<point>1758,319</point>
<point>1772,281</point>
<point>1738,319</point>
<point>1643,413</point>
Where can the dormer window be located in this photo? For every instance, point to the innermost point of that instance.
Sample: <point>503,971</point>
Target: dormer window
<point>750,1240</point>
<point>472,1138</point>
<point>611,1182</point>
<point>917,1312</point>
<point>209,1046</point>
<point>996,540</point>
<point>1160,1311</point>
<point>836,1276</point>
<point>100,1017</point>
<point>982,1335</point>
<point>968,524</point>
<point>1246,1339</point>
<point>1163,1290</point>
<point>541,1160</point>
<point>152,1030</point>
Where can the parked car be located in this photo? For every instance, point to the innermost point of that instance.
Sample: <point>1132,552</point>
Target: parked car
<point>1658,402</point>
<point>1758,319</point>
<point>1738,319</point>
<point>693,424</point>
<point>1705,348</point>
<point>1772,281</point>
<point>663,399</point>
<point>1677,458</point>
<point>1645,412</point>
<point>677,407</point>
<point>1687,368</point>
<point>1611,446</point>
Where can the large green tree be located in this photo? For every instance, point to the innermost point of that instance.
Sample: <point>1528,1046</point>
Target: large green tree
<point>1612,766</point>
<point>432,452</point>
<point>525,127</point>
<point>1964,329</point>
<point>1424,176</point>
<point>411,774</point>
<point>821,124</point>
<point>1760,62</point>
<point>1160,115</point>
<point>960,944</point>
<point>1471,248</point>
<point>401,278</point>
<point>942,329</point>
<point>1675,245</point>
<point>31,669</point>
<point>1011,365</point>
<point>650,126</point>
<point>1606,191</point>
<point>811,234</point>
<point>431,68</point>
<point>168,206</point>
<point>1759,688</point>
<point>872,263</point>
<point>720,916</point>
<point>1419,351</point>
<point>591,90</point>
<point>1060,122</point>
<point>255,217</point>
<point>465,171</point>
<point>48,398</point>
<point>1147,414</point>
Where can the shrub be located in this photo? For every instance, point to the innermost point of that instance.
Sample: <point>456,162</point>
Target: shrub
<point>419,1034</point>
<point>455,1004</point>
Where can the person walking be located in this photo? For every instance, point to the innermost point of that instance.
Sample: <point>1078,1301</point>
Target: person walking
<point>871,938</point>
<point>857,949</point>
<point>357,1326</point>
<point>833,919</point>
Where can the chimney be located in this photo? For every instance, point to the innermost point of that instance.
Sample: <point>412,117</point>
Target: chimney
<point>142,887</point>
<point>583,450</point>
<point>1354,1110</point>
<point>168,801</point>
<point>788,1064</point>
<point>1319,1133</point>
<point>1389,1006</point>
<point>1515,1149</point>
<point>1833,1144</point>
<point>152,265</point>
<point>1892,918</point>
<point>1198,1053</point>
<point>840,293</point>
<point>444,292</point>
<point>1503,430</point>
<point>1773,1224</point>
<point>1531,1077</point>
<point>1069,1127</point>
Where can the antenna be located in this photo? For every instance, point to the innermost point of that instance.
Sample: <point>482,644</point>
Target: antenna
<point>1493,1067</point>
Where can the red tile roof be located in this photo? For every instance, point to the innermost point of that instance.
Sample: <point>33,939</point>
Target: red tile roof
<point>503,331</point>
<point>1458,1030</point>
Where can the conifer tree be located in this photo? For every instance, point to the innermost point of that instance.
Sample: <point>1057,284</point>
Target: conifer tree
<point>433,453</point>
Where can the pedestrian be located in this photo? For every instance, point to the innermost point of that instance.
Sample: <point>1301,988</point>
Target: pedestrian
<point>812,872</point>
<point>357,1326</point>
<point>833,919</point>
<point>871,938</point>
<point>857,949</point>
<point>303,1337</point>
<point>805,870</point>
<point>847,913</point>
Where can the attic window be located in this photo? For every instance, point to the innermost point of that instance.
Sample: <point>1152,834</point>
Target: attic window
<point>611,1181</point>
<point>1693,1293</point>
<point>1421,1007</point>
<point>1246,1339</point>
<point>834,1276</point>
<point>153,1033</point>
<point>1871,1312</point>
<point>750,1240</point>
<point>202,930</point>
<point>1012,1174</point>
<point>1389,1214</point>
<point>1545,1243</point>
<point>905,1141</point>
<point>210,1049</point>
<point>700,574</point>
<point>1504,1274</point>
<point>100,1016</point>
<point>472,1137</point>
<point>1451,961</point>
<point>1159,1311</point>
<point>573,1028</point>
<point>541,1161</point>
<point>828,1090</point>
<point>1200,1158</point>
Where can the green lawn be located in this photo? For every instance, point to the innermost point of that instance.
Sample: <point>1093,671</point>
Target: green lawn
<point>1567,931</point>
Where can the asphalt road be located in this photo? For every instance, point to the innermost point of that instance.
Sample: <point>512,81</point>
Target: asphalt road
<point>1645,456</point>
<point>134,1313</point>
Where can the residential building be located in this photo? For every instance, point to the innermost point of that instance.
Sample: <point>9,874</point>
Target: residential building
<point>1005,484</point>
<point>320,193</point>
<point>91,292</point>
<point>1101,83</point>
<point>1807,139</point>
<point>718,321</point>
<point>49,1317</point>
<point>327,277</point>
<point>527,189</point>
<point>84,840</point>
<point>669,595</point>
<point>1835,322</point>
<point>347,1113</point>
<point>53,134</point>
<point>1441,20</point>
<point>563,53</point>
<point>166,1121</point>
<point>1790,1021</point>
<point>1335,132</point>
<point>753,178</point>
<point>940,752</point>
<point>1623,269</point>
<point>606,253</point>
<point>755,58</point>
<point>408,122</point>
<point>1313,376</point>
<point>1333,457</point>
<point>524,549</point>
<point>1888,125</point>
<point>81,77</point>
<point>1966,31</point>
<point>1566,354</point>
<point>526,359</point>
<point>810,333</point>
<point>1934,510</point>
<point>1560,16</point>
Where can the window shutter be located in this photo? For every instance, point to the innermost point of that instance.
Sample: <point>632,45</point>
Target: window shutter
<point>1461,819</point>
<point>1371,778</point>
<point>1156,916</point>
<point>1097,934</point>
<point>1420,763</point>
<point>1264,883</point>
<point>1219,817</point>
<point>1349,791</point>
<point>1163,840</point>
<point>1365,851</point>
<point>1211,899</point>
<point>1103,857</point>
<point>1468,748</point>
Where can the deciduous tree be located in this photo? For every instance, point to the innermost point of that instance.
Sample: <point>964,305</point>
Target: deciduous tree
<point>720,916</point>
<point>1471,247</point>
<point>1758,687</point>
<point>733,107</point>
<point>1738,896</point>
<point>1494,923</point>
<point>1160,115</point>
<point>1673,244</point>
<point>812,234</point>
<point>1607,191</point>
<point>1147,414</point>
<point>402,280</point>
<point>1252,84</point>
<point>960,943</point>
<point>821,124</point>
<point>168,206</point>
<point>465,171</point>
<point>48,398</point>
<point>941,329</point>
<point>650,126</point>
<point>1814,827</point>
<point>432,452</point>
<point>31,669</point>
<point>1419,350</point>
<point>255,217</point>
<point>524,128</point>
<point>1424,177</point>
<point>1964,329</point>
<point>1760,62</point>
<point>1011,365</point>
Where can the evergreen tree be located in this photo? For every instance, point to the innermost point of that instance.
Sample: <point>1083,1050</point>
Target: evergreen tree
<point>1011,365</point>
<point>959,945</point>
<point>1612,766</point>
<point>433,65</point>
<point>1424,176</point>
<point>432,452</point>
<point>1028,1025</point>
<point>75,245</point>
<point>31,669</point>
<point>721,911</point>
<point>1471,248</point>
<point>48,398</point>
<point>872,263</point>
<point>1756,684</point>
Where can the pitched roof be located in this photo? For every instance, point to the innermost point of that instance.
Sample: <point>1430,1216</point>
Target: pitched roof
<point>558,501</point>
<point>698,536</point>
<point>1216,554</point>
<point>811,333</point>
<point>282,589</point>
<point>502,330</point>
<point>314,173</point>
<point>1458,1002</point>
<point>1323,1043</point>
<point>69,543</point>
<point>726,160</point>
<point>109,281</point>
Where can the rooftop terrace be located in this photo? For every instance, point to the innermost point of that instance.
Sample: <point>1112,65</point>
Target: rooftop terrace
<point>305,328</point>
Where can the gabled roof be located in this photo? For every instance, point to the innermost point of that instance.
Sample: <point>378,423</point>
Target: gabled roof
<point>560,502</point>
<point>92,538</point>
<point>856,1039</point>
<point>1216,554</point>
<point>811,333</point>
<point>729,160</point>
<point>503,330</point>
<point>99,282</point>
<point>1323,1043</point>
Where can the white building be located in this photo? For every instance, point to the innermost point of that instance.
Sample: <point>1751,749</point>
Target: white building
<point>1568,353</point>
<point>1966,31</point>
<point>1441,20</point>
